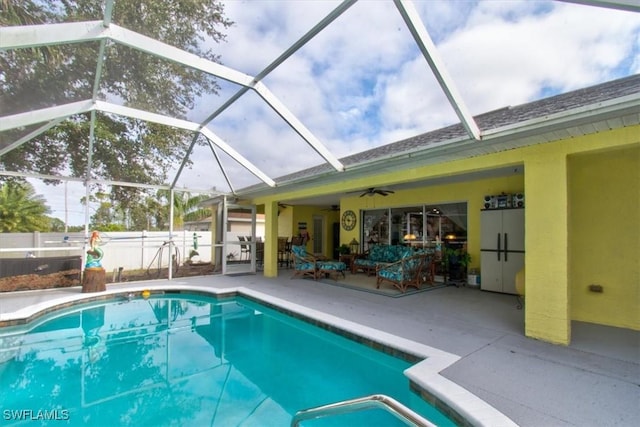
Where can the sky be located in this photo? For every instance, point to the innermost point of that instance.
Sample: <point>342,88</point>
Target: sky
<point>362,82</point>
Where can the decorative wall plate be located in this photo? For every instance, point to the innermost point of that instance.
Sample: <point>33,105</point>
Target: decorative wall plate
<point>349,220</point>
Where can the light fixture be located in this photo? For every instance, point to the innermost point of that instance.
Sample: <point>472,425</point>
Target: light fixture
<point>410,236</point>
<point>354,246</point>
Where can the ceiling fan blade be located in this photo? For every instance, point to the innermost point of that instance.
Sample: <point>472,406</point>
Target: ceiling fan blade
<point>383,193</point>
<point>333,208</point>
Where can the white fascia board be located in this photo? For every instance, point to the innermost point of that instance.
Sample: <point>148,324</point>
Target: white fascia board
<point>163,50</point>
<point>297,125</point>
<point>45,114</point>
<point>146,116</point>
<point>218,142</point>
<point>593,111</point>
<point>430,53</point>
<point>16,37</point>
<point>627,5</point>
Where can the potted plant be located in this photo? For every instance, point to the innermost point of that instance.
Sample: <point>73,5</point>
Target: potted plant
<point>344,249</point>
<point>456,262</point>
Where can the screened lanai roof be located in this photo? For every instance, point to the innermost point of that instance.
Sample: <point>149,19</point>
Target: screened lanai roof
<point>308,89</point>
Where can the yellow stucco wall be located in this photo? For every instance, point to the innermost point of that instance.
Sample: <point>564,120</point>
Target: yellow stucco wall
<point>547,294</point>
<point>604,237</point>
<point>554,180</point>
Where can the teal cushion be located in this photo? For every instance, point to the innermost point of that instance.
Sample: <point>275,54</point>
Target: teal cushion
<point>300,251</point>
<point>332,265</point>
<point>365,262</point>
<point>304,266</point>
<point>393,273</point>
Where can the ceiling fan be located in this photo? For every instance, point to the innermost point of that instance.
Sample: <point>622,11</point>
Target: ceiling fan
<point>333,208</point>
<point>373,191</point>
<point>281,207</point>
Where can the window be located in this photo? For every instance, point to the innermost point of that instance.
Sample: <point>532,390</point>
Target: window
<point>415,225</point>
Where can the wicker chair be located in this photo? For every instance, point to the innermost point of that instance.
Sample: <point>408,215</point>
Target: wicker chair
<point>304,265</point>
<point>408,272</point>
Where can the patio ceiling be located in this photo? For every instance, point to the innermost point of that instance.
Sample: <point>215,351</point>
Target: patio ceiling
<point>37,121</point>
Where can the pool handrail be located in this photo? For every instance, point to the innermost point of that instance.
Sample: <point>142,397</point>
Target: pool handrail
<point>374,401</point>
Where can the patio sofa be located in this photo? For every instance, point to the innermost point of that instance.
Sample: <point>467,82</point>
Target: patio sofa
<point>380,256</point>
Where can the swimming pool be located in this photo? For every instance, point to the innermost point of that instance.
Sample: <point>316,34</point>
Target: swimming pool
<point>190,360</point>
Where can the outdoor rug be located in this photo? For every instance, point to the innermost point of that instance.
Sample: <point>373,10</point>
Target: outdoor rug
<point>364,283</point>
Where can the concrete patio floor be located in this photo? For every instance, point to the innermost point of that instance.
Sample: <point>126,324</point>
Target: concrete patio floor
<point>593,382</point>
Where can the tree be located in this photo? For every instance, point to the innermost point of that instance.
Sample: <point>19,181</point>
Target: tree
<point>124,149</point>
<point>185,207</point>
<point>56,224</point>
<point>21,209</point>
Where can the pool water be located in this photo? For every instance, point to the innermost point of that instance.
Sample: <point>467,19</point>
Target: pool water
<point>190,360</point>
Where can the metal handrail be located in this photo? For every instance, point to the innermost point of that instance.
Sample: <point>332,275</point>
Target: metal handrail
<point>373,401</point>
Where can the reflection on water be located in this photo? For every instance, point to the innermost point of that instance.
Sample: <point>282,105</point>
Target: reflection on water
<point>189,361</point>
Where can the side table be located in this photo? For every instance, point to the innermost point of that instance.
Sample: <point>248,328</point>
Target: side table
<point>348,260</point>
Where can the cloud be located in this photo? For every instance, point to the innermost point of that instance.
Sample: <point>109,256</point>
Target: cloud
<point>362,82</point>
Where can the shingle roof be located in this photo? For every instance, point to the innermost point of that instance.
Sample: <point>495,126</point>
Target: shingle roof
<point>486,121</point>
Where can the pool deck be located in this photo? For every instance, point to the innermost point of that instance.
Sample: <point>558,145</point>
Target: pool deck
<point>593,382</point>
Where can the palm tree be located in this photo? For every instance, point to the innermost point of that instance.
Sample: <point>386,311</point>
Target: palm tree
<point>186,208</point>
<point>21,209</point>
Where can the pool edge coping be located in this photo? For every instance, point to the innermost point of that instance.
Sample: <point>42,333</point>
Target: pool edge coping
<point>461,405</point>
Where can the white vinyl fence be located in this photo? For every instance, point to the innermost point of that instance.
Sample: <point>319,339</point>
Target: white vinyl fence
<point>128,250</point>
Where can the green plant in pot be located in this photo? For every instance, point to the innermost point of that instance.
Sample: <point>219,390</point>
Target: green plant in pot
<point>456,262</point>
<point>344,249</point>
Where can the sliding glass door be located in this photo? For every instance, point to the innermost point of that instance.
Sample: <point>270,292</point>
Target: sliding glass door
<point>419,225</point>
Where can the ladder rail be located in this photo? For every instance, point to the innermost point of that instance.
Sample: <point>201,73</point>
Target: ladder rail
<point>374,401</point>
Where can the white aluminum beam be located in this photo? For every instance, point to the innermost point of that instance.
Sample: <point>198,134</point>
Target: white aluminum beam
<point>338,11</point>
<point>184,124</point>
<point>184,159</point>
<point>155,47</point>
<point>27,36</point>
<point>105,182</point>
<point>63,111</point>
<point>37,35</point>
<point>217,141</point>
<point>430,53</point>
<point>30,136</point>
<point>220,165</point>
<point>42,176</point>
<point>108,13</point>
<point>135,113</point>
<point>92,128</point>
<point>297,125</point>
<point>163,50</point>
<point>44,115</point>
